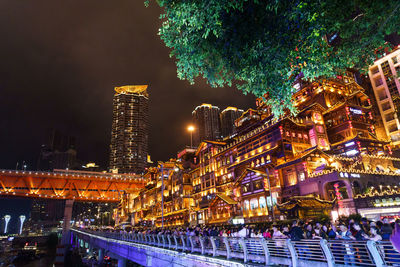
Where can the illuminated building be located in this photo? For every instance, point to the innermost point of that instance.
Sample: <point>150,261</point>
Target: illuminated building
<point>206,118</point>
<point>228,117</point>
<point>326,159</point>
<point>91,166</point>
<point>384,76</point>
<point>129,135</point>
<point>330,142</point>
<point>144,208</point>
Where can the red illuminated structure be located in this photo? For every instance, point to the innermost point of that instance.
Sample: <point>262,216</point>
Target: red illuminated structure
<point>76,185</point>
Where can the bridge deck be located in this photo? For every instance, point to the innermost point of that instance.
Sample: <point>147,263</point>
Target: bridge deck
<point>231,251</point>
<point>79,186</point>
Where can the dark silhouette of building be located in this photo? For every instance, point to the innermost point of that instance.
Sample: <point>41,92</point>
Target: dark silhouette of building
<point>47,210</point>
<point>206,119</point>
<point>228,117</point>
<point>129,135</point>
<point>57,152</point>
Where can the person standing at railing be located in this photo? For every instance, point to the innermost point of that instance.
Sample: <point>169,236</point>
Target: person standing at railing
<point>374,236</point>
<point>348,251</point>
<point>277,234</point>
<point>360,235</point>
<point>309,231</point>
<point>285,231</point>
<point>266,234</point>
<point>332,233</point>
<point>359,232</point>
<point>386,230</point>
<point>319,234</point>
<point>296,233</point>
<point>243,232</point>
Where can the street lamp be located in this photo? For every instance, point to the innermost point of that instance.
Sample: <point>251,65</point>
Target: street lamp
<point>6,219</point>
<point>162,195</point>
<point>21,219</point>
<point>191,130</point>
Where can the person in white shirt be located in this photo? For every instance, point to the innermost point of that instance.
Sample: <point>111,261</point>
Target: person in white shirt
<point>243,232</point>
<point>374,235</point>
<point>277,233</point>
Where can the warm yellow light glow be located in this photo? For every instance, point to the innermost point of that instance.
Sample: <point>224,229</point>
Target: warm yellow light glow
<point>190,128</point>
<point>132,89</point>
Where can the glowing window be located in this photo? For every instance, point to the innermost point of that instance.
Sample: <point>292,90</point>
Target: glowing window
<point>262,202</point>
<point>254,203</point>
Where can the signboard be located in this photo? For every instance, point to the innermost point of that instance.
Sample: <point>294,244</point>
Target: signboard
<point>313,137</point>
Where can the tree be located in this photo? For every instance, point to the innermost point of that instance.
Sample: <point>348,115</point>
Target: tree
<point>262,46</point>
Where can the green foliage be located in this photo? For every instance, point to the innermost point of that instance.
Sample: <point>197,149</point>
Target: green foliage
<point>323,218</point>
<point>356,217</point>
<point>262,46</point>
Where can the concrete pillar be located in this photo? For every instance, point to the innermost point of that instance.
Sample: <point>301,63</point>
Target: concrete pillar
<point>101,255</point>
<point>67,220</point>
<point>121,262</point>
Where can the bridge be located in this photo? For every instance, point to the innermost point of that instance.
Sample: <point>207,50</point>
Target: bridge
<point>67,184</point>
<point>162,250</point>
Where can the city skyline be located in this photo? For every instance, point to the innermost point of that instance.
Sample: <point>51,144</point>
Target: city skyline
<point>81,67</point>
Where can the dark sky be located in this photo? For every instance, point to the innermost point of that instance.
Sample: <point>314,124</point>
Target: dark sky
<point>59,63</point>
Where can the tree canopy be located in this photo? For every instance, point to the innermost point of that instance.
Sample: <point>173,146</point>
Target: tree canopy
<point>261,46</point>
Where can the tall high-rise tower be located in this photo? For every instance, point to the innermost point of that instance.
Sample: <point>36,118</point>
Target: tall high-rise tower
<point>228,117</point>
<point>129,134</point>
<point>206,119</point>
<point>386,84</point>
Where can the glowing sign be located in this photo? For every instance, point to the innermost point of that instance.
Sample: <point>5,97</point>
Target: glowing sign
<point>349,144</point>
<point>313,137</point>
<point>356,111</point>
<point>352,152</point>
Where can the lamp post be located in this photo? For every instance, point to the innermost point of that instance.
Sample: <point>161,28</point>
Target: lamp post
<point>21,220</point>
<point>6,219</point>
<point>162,195</point>
<point>191,130</point>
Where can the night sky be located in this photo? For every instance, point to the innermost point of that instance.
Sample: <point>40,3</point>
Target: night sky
<point>59,63</point>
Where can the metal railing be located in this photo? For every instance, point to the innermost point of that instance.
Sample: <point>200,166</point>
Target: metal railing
<point>269,251</point>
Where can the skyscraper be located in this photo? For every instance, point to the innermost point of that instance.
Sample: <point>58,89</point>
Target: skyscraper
<point>58,152</point>
<point>386,84</point>
<point>228,117</point>
<point>206,119</point>
<point>129,134</point>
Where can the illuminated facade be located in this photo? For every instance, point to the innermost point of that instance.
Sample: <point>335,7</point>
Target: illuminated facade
<point>270,160</point>
<point>145,208</point>
<point>129,135</point>
<point>384,76</point>
<point>320,161</point>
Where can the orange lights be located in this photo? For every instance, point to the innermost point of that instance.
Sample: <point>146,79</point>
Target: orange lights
<point>65,186</point>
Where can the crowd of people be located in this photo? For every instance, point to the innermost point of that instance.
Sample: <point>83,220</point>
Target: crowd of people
<point>348,252</point>
<point>297,230</point>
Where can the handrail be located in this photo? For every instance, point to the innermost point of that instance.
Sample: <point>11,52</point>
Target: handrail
<point>270,251</point>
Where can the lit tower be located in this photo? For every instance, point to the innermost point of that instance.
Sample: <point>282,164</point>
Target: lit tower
<point>384,74</point>
<point>21,220</point>
<point>228,117</point>
<point>207,123</point>
<point>6,219</point>
<point>129,134</point>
